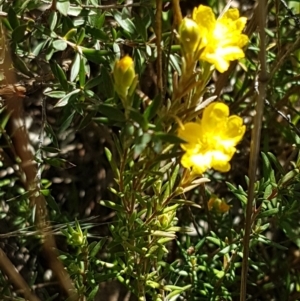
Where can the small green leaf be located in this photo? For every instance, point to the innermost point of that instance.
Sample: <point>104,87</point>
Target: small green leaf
<point>36,51</point>
<point>63,6</point>
<point>75,67</point>
<point>60,75</point>
<point>52,203</point>
<point>141,143</point>
<point>95,250</point>
<point>94,55</point>
<point>152,109</point>
<point>112,163</point>
<point>124,22</point>
<point>81,35</point>
<point>111,205</point>
<point>12,18</point>
<point>70,35</point>
<point>52,20</point>
<point>169,185</point>
<point>112,112</point>
<point>93,293</point>
<point>55,94</point>
<point>96,33</point>
<point>82,73</point>
<point>59,162</point>
<point>288,178</point>
<point>170,138</point>
<point>21,65</point>
<point>18,34</point>
<point>67,122</point>
<point>93,82</point>
<point>138,118</point>
<point>65,100</point>
<point>59,45</point>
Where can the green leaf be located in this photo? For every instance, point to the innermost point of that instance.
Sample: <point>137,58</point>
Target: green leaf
<point>59,45</point>
<point>112,163</point>
<point>124,21</point>
<point>18,34</point>
<point>50,134</point>
<point>99,245</point>
<point>96,33</point>
<point>107,87</point>
<point>60,75</point>
<point>65,100</point>
<point>138,118</point>
<point>112,112</point>
<point>288,178</point>
<point>112,205</point>
<point>93,82</point>
<point>12,18</point>
<point>81,35</point>
<point>63,6</point>
<point>75,67</point>
<point>36,51</point>
<point>71,34</point>
<point>141,143</point>
<point>3,121</point>
<point>52,20</point>
<point>21,65</point>
<point>268,172</point>
<point>93,293</point>
<point>152,109</point>
<point>169,185</point>
<point>52,203</point>
<point>82,73</point>
<point>94,55</point>
<point>67,122</point>
<point>59,162</point>
<point>55,94</point>
<point>170,138</point>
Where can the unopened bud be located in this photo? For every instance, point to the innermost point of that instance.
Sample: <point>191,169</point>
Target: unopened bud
<point>219,205</point>
<point>190,37</point>
<point>124,75</point>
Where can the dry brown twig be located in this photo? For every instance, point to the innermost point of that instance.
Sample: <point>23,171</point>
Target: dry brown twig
<point>255,143</point>
<point>14,96</point>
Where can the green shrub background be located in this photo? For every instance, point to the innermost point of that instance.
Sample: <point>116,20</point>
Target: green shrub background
<point>99,169</point>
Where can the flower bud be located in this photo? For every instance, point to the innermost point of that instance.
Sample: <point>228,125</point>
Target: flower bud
<point>124,75</point>
<point>219,205</point>
<point>190,37</point>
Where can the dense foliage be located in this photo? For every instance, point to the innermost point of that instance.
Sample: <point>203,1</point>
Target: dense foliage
<point>139,159</point>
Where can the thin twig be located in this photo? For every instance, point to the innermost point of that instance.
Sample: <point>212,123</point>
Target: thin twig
<point>255,144</point>
<point>177,12</point>
<point>20,139</point>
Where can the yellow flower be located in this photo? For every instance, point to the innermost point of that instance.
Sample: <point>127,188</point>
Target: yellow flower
<point>221,39</point>
<point>217,204</point>
<point>211,142</point>
<point>124,75</point>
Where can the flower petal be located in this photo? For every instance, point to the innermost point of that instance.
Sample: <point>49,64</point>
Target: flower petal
<point>190,133</point>
<point>204,16</point>
<point>213,116</point>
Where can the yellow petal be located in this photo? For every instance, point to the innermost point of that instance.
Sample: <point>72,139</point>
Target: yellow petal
<point>204,17</point>
<point>190,133</point>
<point>200,162</point>
<point>220,161</point>
<point>235,129</point>
<point>231,14</point>
<point>214,114</point>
